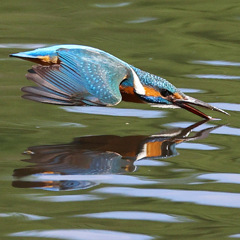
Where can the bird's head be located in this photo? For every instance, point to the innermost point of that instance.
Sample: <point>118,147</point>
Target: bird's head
<point>158,91</point>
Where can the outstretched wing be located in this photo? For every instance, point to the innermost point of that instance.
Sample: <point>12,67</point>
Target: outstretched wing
<point>83,77</point>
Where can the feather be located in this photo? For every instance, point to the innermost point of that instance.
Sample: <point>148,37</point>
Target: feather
<point>83,77</point>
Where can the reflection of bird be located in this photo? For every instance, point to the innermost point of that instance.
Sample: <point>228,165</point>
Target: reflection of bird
<point>99,155</point>
<point>81,75</point>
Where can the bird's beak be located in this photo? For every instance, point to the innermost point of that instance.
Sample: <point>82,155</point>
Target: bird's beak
<point>186,102</point>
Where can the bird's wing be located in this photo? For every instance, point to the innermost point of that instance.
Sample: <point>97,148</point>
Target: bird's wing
<point>83,77</point>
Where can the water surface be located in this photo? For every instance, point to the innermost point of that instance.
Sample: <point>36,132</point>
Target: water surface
<point>132,171</point>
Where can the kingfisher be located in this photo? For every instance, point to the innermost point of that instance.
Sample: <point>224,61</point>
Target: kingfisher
<point>82,75</point>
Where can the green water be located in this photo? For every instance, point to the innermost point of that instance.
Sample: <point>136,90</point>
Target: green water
<point>89,177</point>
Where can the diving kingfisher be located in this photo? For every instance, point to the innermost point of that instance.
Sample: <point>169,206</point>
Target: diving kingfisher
<point>82,75</point>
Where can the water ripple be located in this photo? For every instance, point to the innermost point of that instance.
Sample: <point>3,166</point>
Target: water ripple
<point>225,130</point>
<point>235,235</point>
<point>23,45</point>
<point>68,198</point>
<point>210,198</point>
<point>108,179</point>
<point>150,162</point>
<point>82,234</point>
<point>222,177</point>
<point>213,76</point>
<point>26,216</point>
<point>136,215</point>
<point>217,63</point>
<point>112,5</point>
<point>197,146</point>
<point>53,124</point>
<point>227,106</point>
<point>120,112</point>
<point>191,90</point>
<point>142,20</point>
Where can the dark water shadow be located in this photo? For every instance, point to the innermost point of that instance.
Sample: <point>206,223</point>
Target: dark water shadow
<point>60,167</point>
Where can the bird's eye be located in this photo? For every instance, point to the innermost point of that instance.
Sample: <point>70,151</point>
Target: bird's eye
<point>165,92</point>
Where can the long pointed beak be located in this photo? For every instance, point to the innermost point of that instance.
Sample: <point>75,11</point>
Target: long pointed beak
<point>187,101</point>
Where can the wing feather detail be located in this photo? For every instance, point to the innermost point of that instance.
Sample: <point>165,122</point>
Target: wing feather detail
<point>83,77</point>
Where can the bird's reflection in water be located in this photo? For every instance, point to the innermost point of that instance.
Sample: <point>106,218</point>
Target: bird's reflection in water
<point>97,155</point>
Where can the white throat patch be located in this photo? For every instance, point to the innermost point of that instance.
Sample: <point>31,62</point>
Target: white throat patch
<point>139,89</point>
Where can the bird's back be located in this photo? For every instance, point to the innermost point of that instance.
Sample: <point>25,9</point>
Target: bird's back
<point>75,75</point>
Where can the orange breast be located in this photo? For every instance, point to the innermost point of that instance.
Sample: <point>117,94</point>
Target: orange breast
<point>128,95</point>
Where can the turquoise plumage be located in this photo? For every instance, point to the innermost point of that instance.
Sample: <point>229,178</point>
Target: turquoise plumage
<point>81,75</point>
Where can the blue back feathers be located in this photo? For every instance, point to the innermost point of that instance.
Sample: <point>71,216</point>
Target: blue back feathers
<point>85,76</point>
